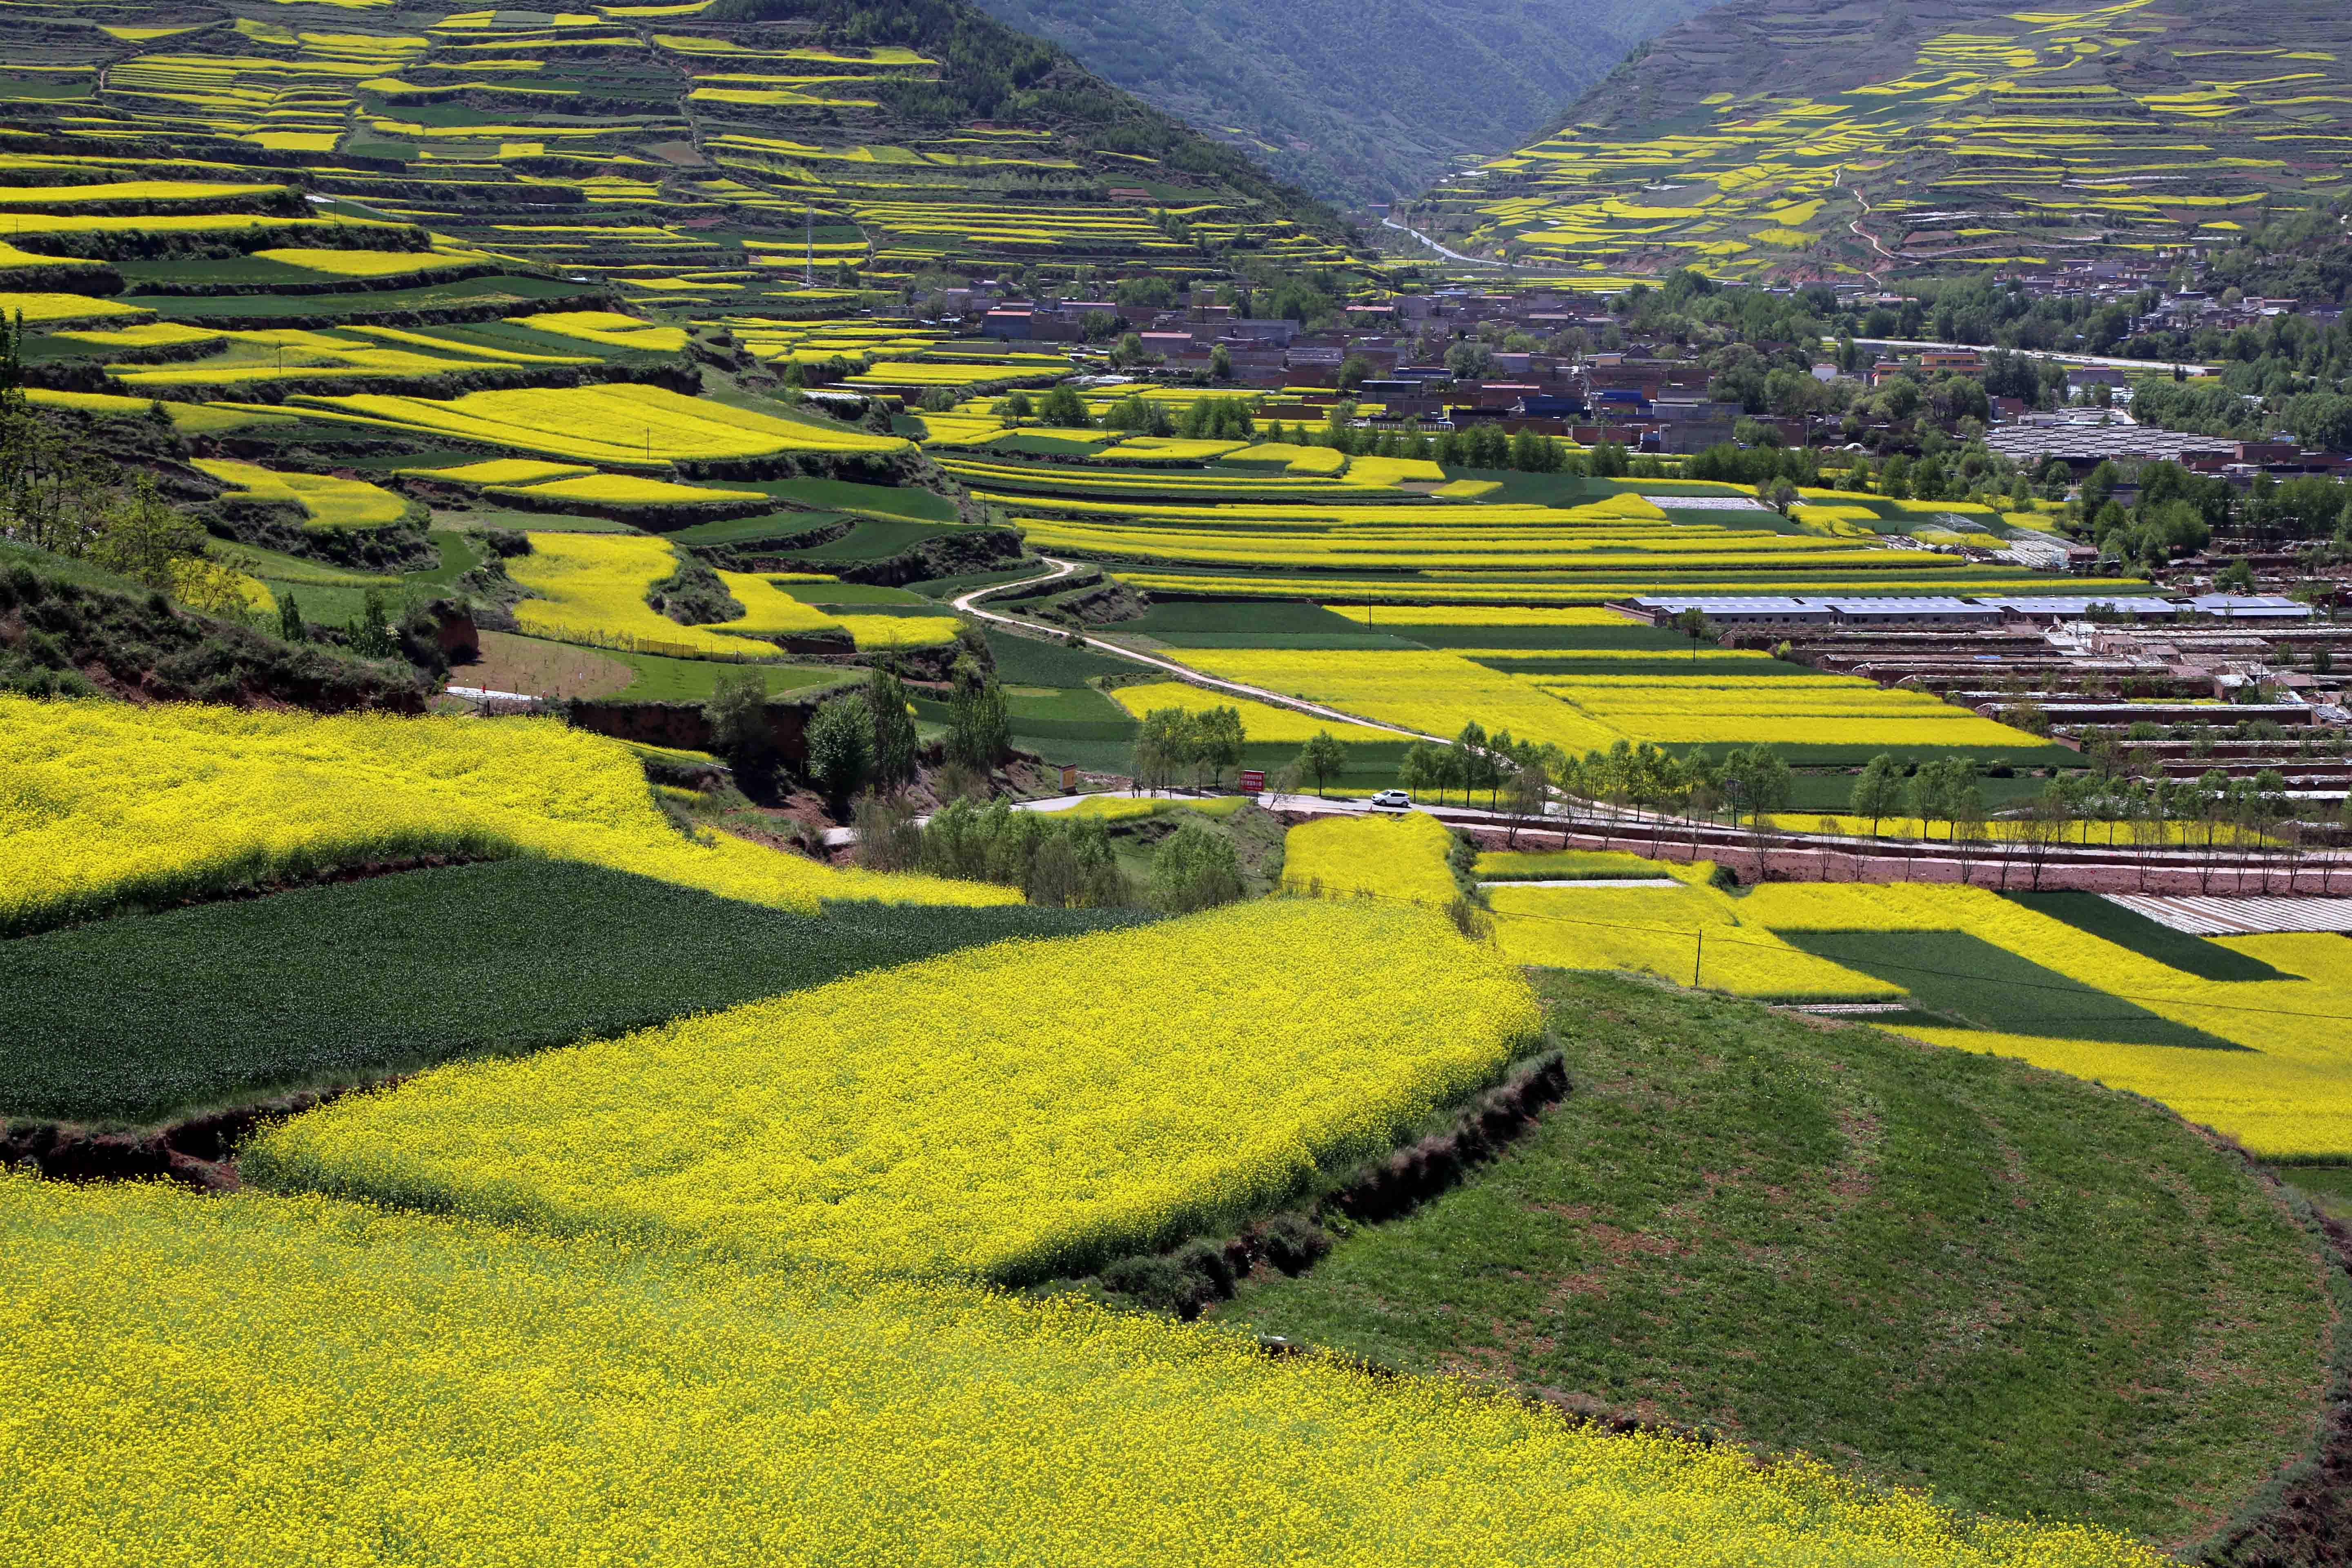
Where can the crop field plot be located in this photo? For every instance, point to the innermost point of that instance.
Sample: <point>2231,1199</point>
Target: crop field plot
<point>420,1327</point>
<point>913,1158</point>
<point>326,501</point>
<point>1246,623</point>
<point>618,426</point>
<point>2246,1034</point>
<point>2282,1091</point>
<point>1400,860</point>
<point>591,589</point>
<point>168,823</point>
<point>1435,692</point>
<point>868,539</point>
<point>40,310</point>
<point>398,972</point>
<point>1261,720</point>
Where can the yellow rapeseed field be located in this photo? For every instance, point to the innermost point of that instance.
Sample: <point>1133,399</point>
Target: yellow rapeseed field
<point>362,263</point>
<point>1433,693</point>
<point>1685,935</point>
<point>1719,706</point>
<point>624,490</point>
<point>40,307</point>
<point>769,611</point>
<point>329,502</point>
<point>1401,857</point>
<point>1260,720</point>
<point>503,471</point>
<point>591,588</point>
<point>998,1113</point>
<point>607,327</point>
<point>2287,1095</point>
<point>293,1382</point>
<point>619,425</point>
<point>1566,865</point>
<point>1480,615</point>
<point>104,805</point>
<point>870,632</point>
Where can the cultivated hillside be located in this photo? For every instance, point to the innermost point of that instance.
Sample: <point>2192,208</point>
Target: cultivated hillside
<point>1354,101</point>
<point>673,150</point>
<point>1832,138</point>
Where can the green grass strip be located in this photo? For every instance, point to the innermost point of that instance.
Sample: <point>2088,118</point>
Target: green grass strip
<point>1987,987</point>
<point>2149,939</point>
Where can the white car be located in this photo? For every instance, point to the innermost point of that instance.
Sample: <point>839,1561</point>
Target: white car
<point>1391,800</point>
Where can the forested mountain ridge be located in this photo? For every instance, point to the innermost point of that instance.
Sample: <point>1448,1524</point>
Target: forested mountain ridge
<point>1354,101</point>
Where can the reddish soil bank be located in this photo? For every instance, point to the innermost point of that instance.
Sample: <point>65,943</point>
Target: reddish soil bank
<point>199,1152</point>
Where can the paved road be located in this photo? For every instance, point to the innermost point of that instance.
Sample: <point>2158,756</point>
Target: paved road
<point>2108,361</point>
<point>1856,226</point>
<point>968,604</point>
<point>1449,255</point>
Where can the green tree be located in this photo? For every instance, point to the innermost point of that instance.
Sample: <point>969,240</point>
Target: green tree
<point>1166,742</point>
<point>1530,793</point>
<point>1218,739</point>
<point>1878,791</point>
<point>1063,408</point>
<point>1693,624</point>
<point>1756,780</point>
<point>1472,765</point>
<point>737,713</point>
<point>289,619</point>
<point>1323,758</point>
<point>1220,363</point>
<point>841,747</point>
<point>2098,485</point>
<point>895,742</point>
<point>980,723</point>
<point>1419,770</point>
<point>141,536</point>
<point>1195,868</point>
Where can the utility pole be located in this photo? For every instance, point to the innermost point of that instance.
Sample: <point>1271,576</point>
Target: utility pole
<point>808,238</point>
<point>1698,962</point>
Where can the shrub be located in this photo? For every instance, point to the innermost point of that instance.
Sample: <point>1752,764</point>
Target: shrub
<point>841,747</point>
<point>1195,868</point>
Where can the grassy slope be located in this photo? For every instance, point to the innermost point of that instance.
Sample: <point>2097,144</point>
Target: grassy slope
<point>141,1019</point>
<point>2028,1294</point>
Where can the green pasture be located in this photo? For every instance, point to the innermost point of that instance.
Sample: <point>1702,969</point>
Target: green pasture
<point>1927,1266</point>
<point>355,982</point>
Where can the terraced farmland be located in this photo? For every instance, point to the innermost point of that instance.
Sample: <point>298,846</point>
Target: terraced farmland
<point>1819,139</point>
<point>646,155</point>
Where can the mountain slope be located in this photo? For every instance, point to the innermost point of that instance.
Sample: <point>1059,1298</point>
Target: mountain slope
<point>1835,138</point>
<point>1353,100</point>
<point>690,151</point>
